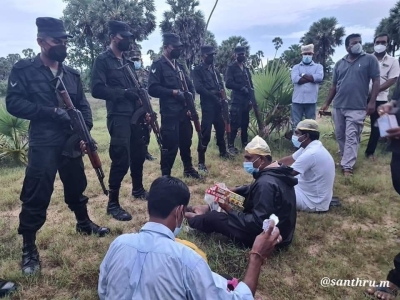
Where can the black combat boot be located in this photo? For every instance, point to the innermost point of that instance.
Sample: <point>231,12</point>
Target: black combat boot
<point>226,155</point>
<point>140,193</point>
<point>86,226</point>
<point>7,287</point>
<point>232,150</point>
<point>190,172</point>
<point>202,159</point>
<point>114,209</point>
<point>30,264</point>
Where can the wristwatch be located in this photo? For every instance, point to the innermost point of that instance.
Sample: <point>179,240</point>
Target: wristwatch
<point>302,74</point>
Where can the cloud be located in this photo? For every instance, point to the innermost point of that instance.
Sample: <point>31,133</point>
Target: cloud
<point>367,33</point>
<point>294,35</point>
<point>48,8</point>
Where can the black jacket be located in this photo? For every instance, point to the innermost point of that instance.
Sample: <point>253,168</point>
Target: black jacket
<point>31,96</point>
<point>206,86</point>
<point>272,192</point>
<point>163,79</point>
<point>235,80</point>
<point>109,82</point>
<point>394,145</point>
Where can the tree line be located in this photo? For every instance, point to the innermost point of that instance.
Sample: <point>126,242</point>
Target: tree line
<point>86,21</point>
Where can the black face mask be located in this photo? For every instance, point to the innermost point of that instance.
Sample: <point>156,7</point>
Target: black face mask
<point>123,45</point>
<point>57,53</point>
<point>209,60</point>
<point>241,58</point>
<point>175,53</point>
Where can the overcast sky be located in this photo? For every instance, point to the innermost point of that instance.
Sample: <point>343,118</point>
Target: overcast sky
<point>259,21</point>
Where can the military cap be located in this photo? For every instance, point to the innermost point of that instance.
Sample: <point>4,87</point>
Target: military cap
<point>122,28</point>
<point>207,49</point>
<point>51,27</point>
<point>240,49</point>
<point>172,39</point>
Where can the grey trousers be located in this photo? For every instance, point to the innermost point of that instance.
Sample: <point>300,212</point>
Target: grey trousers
<point>348,127</point>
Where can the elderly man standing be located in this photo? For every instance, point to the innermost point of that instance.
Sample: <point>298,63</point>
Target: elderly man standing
<point>314,167</point>
<point>389,67</point>
<point>271,192</point>
<point>306,77</point>
<point>349,93</point>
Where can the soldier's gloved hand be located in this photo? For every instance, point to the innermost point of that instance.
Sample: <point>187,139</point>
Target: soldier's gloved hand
<point>244,90</point>
<point>180,96</point>
<point>61,115</point>
<point>131,94</point>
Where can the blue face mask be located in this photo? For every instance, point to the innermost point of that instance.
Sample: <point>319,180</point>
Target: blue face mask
<point>295,141</point>
<point>178,229</point>
<point>138,64</point>
<point>248,166</point>
<point>307,59</point>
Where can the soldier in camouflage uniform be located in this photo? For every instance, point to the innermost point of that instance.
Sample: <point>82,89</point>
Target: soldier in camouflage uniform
<point>143,75</point>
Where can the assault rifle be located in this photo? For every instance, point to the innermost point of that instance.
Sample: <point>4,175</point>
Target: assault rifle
<point>79,126</point>
<point>254,104</point>
<point>224,105</point>
<point>191,107</point>
<point>145,108</point>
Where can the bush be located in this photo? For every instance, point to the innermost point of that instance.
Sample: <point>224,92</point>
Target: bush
<point>273,92</point>
<point>3,87</point>
<point>13,138</point>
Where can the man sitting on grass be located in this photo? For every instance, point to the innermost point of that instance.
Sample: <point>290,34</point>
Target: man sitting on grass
<point>272,192</point>
<point>151,265</point>
<point>314,167</point>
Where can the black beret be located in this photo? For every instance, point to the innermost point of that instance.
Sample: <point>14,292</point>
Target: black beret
<point>207,49</point>
<point>240,49</point>
<point>172,39</point>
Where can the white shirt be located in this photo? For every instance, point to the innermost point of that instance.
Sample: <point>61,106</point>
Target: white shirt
<point>151,265</point>
<point>389,67</point>
<point>316,169</point>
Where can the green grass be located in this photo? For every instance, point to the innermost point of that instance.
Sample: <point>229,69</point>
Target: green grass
<point>358,240</point>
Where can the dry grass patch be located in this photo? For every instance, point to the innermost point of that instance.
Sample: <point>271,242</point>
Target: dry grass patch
<point>358,240</point>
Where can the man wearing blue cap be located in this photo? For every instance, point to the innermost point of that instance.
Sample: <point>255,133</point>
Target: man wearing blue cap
<point>112,82</point>
<point>31,96</point>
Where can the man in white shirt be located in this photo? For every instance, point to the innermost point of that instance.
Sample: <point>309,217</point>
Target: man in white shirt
<point>151,265</point>
<point>389,67</point>
<point>314,167</point>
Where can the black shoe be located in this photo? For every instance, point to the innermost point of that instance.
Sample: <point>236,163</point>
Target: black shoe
<point>30,264</point>
<point>7,287</point>
<point>233,151</point>
<point>226,155</point>
<point>150,157</point>
<point>203,168</point>
<point>114,209</point>
<point>192,173</point>
<point>90,228</point>
<point>140,194</point>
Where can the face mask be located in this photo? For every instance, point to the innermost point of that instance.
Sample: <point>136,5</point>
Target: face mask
<point>295,141</point>
<point>307,59</point>
<point>123,45</point>
<point>248,166</point>
<point>178,229</point>
<point>379,48</point>
<point>175,53</point>
<point>137,64</point>
<point>241,58</point>
<point>57,53</point>
<point>209,60</point>
<point>356,49</point>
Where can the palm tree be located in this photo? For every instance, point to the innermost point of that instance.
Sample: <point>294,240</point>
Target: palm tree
<point>291,56</point>
<point>325,35</point>
<point>277,44</point>
<point>13,137</point>
<point>260,54</point>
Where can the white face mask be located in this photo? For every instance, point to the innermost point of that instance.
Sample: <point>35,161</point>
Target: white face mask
<point>178,228</point>
<point>379,48</point>
<point>356,49</point>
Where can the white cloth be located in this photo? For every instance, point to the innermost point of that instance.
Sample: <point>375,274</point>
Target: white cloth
<point>316,170</point>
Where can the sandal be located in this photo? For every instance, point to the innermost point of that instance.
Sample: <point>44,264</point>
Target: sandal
<point>391,293</point>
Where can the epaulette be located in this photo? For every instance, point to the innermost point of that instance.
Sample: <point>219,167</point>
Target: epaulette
<point>23,63</point>
<point>71,70</point>
<point>156,60</point>
<point>103,55</point>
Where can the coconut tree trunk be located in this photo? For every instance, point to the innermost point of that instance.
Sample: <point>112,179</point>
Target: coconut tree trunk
<point>212,11</point>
